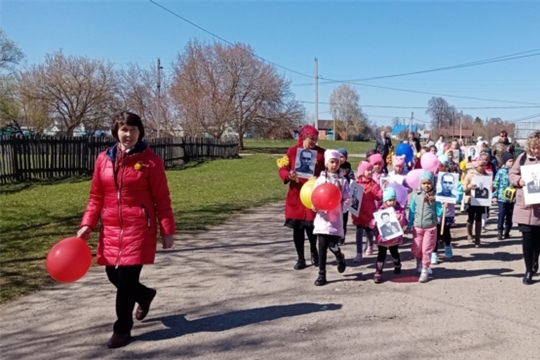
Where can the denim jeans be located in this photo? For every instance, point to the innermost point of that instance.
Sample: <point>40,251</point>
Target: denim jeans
<point>359,235</point>
<point>506,210</point>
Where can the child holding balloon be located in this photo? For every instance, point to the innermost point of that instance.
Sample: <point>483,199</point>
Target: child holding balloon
<point>423,214</point>
<point>372,194</point>
<point>383,245</point>
<point>329,223</point>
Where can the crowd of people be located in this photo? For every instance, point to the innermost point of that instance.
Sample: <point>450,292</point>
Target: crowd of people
<point>423,214</point>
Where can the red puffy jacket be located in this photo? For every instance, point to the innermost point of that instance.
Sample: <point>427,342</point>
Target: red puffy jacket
<point>372,195</point>
<point>129,205</point>
<point>294,209</point>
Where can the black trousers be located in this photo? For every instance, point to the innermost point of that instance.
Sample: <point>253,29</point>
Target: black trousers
<point>328,242</point>
<point>531,245</point>
<point>475,213</point>
<point>299,240</point>
<point>382,250</point>
<point>345,222</point>
<point>129,291</point>
<point>446,236</point>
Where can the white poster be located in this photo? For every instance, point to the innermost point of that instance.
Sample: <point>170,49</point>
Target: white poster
<point>531,176</point>
<point>447,187</point>
<point>357,192</point>
<point>305,163</point>
<point>473,153</point>
<point>388,224</point>
<point>481,195</point>
<point>384,181</point>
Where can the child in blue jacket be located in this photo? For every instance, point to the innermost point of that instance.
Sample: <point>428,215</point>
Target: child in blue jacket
<point>506,207</point>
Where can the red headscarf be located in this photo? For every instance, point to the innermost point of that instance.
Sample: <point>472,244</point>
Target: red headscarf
<point>306,131</point>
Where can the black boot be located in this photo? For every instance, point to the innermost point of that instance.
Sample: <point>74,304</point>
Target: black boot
<point>535,268</point>
<point>527,279</point>
<point>397,266</point>
<point>477,233</point>
<point>321,280</point>
<point>315,258</point>
<point>377,278</point>
<point>118,340</point>
<point>301,264</point>
<point>341,266</point>
<point>507,235</point>
<point>500,237</point>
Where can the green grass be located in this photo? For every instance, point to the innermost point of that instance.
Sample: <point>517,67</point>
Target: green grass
<point>280,146</point>
<point>34,217</point>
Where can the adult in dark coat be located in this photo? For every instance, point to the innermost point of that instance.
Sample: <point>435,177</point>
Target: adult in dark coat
<point>383,146</point>
<point>501,147</point>
<point>297,216</point>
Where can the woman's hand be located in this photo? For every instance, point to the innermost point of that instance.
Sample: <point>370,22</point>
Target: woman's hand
<point>472,186</point>
<point>293,176</point>
<point>84,233</point>
<point>167,241</point>
<point>521,182</point>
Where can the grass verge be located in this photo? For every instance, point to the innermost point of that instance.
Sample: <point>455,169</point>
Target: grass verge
<point>254,146</point>
<point>34,217</point>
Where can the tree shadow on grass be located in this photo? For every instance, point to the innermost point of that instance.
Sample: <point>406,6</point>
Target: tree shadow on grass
<point>177,325</point>
<point>265,150</point>
<point>17,187</point>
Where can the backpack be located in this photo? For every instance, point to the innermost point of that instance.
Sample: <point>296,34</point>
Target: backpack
<point>510,192</point>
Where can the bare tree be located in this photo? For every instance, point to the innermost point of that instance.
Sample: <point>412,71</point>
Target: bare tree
<point>10,53</point>
<point>74,90</point>
<point>219,87</point>
<point>440,111</point>
<point>345,110</point>
<point>138,93</point>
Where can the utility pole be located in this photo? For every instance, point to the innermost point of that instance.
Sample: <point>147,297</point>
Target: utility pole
<point>461,125</point>
<point>410,122</point>
<point>316,116</point>
<point>158,103</point>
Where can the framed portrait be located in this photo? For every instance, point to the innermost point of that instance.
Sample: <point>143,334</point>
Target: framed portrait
<point>481,196</point>
<point>357,192</point>
<point>531,191</point>
<point>384,181</point>
<point>388,224</point>
<point>473,153</point>
<point>447,187</point>
<point>305,163</point>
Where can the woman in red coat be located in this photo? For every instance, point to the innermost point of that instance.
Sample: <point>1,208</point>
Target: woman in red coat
<point>297,216</point>
<point>129,193</point>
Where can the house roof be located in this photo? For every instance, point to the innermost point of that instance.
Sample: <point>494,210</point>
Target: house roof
<point>325,124</point>
<point>400,128</point>
<point>448,132</point>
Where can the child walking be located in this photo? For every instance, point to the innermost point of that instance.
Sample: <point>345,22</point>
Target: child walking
<point>377,161</point>
<point>347,172</point>
<point>446,236</point>
<point>383,245</point>
<point>475,212</point>
<point>423,214</point>
<point>506,206</point>
<point>329,224</point>
<point>372,194</point>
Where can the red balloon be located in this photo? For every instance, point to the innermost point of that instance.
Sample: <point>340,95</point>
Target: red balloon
<point>326,197</point>
<point>69,260</point>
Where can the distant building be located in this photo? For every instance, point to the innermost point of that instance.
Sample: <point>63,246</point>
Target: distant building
<point>400,129</point>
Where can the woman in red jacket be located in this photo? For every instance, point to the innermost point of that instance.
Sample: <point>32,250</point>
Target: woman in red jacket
<point>129,193</point>
<point>297,216</point>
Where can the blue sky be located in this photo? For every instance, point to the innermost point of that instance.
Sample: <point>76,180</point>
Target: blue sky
<point>351,39</point>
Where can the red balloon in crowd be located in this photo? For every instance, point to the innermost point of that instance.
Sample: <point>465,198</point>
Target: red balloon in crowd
<point>326,197</point>
<point>69,260</point>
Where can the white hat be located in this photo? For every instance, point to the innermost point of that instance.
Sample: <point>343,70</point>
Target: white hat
<point>479,138</point>
<point>330,154</point>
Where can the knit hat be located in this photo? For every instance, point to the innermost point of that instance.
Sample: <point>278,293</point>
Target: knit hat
<point>343,152</point>
<point>363,166</point>
<point>507,156</point>
<point>389,194</point>
<point>330,154</point>
<point>479,162</point>
<point>444,159</point>
<point>375,159</point>
<point>426,175</point>
<point>398,160</point>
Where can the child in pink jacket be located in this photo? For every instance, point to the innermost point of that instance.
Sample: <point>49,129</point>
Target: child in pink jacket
<point>389,202</point>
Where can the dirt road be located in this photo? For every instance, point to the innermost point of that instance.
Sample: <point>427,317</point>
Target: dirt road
<point>231,293</point>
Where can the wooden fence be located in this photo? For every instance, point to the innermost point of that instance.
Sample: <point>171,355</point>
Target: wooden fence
<point>50,157</point>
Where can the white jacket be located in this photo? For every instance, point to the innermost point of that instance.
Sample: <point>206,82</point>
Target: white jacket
<point>331,222</point>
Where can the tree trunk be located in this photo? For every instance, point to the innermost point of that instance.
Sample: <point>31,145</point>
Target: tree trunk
<point>241,140</point>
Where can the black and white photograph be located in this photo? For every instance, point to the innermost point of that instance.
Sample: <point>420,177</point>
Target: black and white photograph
<point>447,185</point>
<point>473,152</point>
<point>531,191</point>
<point>481,195</point>
<point>305,163</point>
<point>384,181</point>
<point>357,192</point>
<point>388,224</point>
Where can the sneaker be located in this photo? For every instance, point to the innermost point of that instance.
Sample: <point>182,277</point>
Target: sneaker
<point>369,250</point>
<point>358,259</point>
<point>448,253</point>
<point>377,278</point>
<point>321,280</point>
<point>341,264</point>
<point>434,258</point>
<point>424,276</point>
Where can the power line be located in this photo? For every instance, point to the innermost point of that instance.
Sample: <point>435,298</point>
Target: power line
<point>529,117</point>
<point>425,107</point>
<point>226,41</point>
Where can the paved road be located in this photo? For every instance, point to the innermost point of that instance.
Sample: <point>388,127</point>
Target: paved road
<point>231,293</point>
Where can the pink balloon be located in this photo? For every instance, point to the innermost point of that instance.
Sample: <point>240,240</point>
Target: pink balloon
<point>413,178</point>
<point>429,162</point>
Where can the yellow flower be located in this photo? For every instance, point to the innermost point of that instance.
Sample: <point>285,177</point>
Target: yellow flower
<point>283,162</point>
<point>138,166</point>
